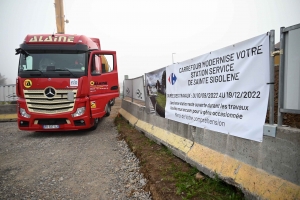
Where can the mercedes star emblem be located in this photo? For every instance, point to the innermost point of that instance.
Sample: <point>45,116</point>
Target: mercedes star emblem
<point>49,92</point>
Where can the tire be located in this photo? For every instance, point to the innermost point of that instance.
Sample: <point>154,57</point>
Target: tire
<point>96,122</point>
<point>108,109</point>
<point>112,102</point>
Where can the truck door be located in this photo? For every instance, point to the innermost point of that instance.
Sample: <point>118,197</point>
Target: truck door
<point>103,81</point>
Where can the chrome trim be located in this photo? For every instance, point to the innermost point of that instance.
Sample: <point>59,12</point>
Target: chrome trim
<point>38,102</point>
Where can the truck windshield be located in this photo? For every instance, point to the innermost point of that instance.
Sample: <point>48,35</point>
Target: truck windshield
<point>53,64</point>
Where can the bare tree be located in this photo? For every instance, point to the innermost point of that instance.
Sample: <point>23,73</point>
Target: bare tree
<point>2,79</point>
<point>157,85</point>
<point>163,82</point>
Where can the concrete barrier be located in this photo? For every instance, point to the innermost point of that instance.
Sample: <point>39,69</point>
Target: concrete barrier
<point>8,109</point>
<point>266,170</point>
<point>8,112</point>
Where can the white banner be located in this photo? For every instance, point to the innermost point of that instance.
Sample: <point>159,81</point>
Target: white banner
<point>138,88</point>
<point>134,88</point>
<point>224,91</point>
<point>128,88</point>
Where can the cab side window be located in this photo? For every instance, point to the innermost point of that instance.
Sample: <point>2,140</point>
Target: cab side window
<point>106,63</point>
<point>102,64</point>
<point>96,65</point>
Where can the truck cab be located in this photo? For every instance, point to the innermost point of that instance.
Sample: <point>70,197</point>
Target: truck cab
<point>65,82</point>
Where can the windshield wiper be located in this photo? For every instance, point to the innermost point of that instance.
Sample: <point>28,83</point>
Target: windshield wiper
<point>33,70</point>
<point>66,70</point>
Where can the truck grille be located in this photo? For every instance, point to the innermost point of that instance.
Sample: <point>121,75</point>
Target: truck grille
<point>38,102</point>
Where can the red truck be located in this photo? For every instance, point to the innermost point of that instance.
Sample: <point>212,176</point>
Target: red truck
<point>65,82</point>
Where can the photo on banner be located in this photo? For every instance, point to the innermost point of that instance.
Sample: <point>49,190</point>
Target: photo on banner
<point>225,90</point>
<point>156,91</point>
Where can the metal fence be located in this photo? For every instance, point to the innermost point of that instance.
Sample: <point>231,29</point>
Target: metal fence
<point>134,88</point>
<point>289,72</point>
<point>8,93</point>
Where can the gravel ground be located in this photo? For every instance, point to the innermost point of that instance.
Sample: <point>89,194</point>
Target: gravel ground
<point>68,165</point>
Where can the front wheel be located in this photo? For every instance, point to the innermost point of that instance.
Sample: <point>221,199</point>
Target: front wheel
<point>108,109</point>
<point>96,122</point>
<point>112,102</point>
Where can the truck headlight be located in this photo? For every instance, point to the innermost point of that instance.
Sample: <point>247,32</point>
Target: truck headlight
<point>24,113</point>
<point>80,111</point>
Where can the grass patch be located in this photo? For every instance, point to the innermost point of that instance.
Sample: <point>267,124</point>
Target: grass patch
<point>161,99</point>
<point>168,176</point>
<point>4,103</point>
<point>150,142</point>
<point>166,150</point>
<point>188,187</point>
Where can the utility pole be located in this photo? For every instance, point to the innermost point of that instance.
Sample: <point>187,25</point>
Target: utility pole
<point>173,58</point>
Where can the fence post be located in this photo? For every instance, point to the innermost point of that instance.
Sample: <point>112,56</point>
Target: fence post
<point>123,89</point>
<point>144,86</point>
<point>131,90</point>
<point>125,77</point>
<point>271,95</point>
<point>281,77</point>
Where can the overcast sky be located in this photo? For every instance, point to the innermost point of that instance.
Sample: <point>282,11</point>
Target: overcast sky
<point>145,34</point>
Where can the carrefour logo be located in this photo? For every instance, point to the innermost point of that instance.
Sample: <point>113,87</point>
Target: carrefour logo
<point>172,78</point>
